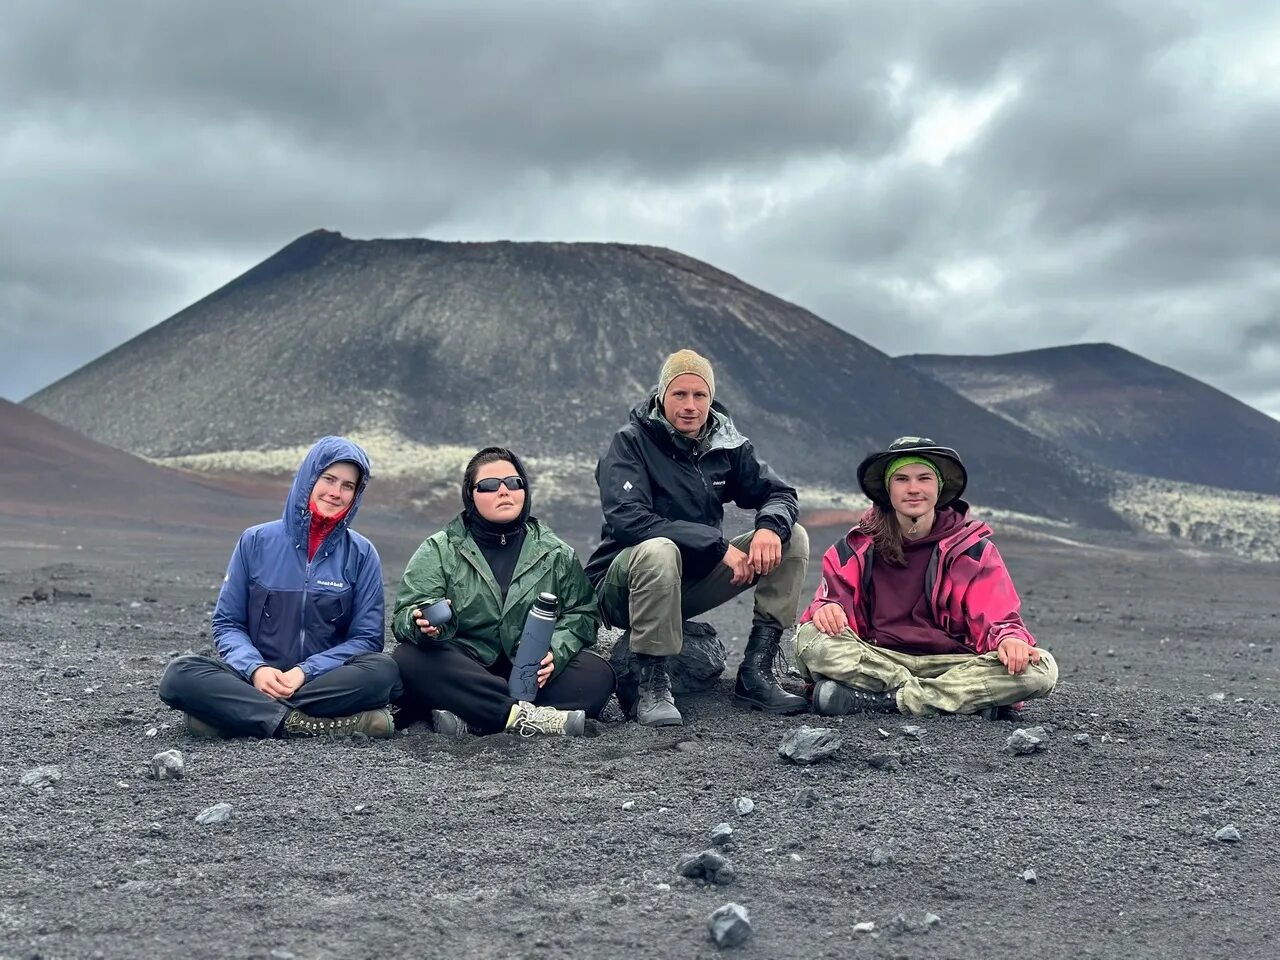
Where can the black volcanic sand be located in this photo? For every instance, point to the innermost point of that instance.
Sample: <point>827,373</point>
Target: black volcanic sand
<point>495,847</point>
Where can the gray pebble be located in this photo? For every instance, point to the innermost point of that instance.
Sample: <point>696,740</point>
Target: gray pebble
<point>913,731</point>
<point>884,761</point>
<point>709,866</point>
<point>1082,740</point>
<point>218,813</point>
<point>880,856</point>
<point>41,778</point>
<point>1228,834</point>
<point>932,919</point>
<point>744,806</point>
<point>729,925</point>
<point>808,797</point>
<point>721,834</point>
<point>167,765</point>
<point>808,745</point>
<point>1028,876</point>
<point>1027,740</point>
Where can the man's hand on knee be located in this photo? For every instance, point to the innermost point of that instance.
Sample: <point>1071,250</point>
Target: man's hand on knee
<point>1015,653</point>
<point>830,618</point>
<point>740,564</point>
<point>765,552</point>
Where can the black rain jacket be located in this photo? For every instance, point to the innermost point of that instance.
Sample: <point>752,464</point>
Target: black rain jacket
<point>655,482</point>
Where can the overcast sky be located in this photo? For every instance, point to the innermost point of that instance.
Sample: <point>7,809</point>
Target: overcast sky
<point>948,177</point>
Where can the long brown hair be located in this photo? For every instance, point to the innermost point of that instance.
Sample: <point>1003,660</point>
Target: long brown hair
<point>886,536</point>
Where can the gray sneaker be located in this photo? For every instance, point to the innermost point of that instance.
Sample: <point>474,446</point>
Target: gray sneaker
<point>449,724</point>
<point>204,731</point>
<point>376,724</point>
<point>834,699</point>
<point>534,721</point>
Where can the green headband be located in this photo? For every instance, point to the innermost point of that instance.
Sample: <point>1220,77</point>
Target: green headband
<point>900,462</point>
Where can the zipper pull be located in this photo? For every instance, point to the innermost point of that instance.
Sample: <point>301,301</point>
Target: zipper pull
<point>504,540</point>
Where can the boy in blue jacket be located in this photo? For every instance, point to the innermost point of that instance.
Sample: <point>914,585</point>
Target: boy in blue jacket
<point>299,621</point>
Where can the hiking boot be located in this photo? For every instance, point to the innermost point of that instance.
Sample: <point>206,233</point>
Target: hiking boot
<point>834,699</point>
<point>449,724</point>
<point>1007,712</point>
<point>376,724</point>
<point>204,731</point>
<point>655,705</point>
<point>757,687</point>
<point>530,720</point>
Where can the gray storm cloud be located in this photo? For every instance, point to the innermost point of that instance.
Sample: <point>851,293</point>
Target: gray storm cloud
<point>938,177</point>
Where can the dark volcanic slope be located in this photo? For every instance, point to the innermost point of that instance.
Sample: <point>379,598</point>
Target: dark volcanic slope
<point>1122,411</point>
<point>52,473</point>
<point>544,346</point>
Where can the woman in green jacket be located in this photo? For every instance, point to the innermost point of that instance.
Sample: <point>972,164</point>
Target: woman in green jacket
<point>490,563</point>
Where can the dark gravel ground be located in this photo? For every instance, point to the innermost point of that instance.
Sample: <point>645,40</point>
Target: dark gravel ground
<point>493,847</point>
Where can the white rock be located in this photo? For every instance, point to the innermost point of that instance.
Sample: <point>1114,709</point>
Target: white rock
<point>218,813</point>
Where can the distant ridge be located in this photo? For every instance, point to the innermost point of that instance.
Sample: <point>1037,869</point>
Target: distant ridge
<point>1122,411</point>
<point>544,346</point>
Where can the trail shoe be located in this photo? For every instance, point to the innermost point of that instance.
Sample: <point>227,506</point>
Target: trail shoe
<point>204,731</point>
<point>449,724</point>
<point>376,724</point>
<point>1007,712</point>
<point>757,687</point>
<point>529,720</point>
<point>834,699</point>
<point>655,705</point>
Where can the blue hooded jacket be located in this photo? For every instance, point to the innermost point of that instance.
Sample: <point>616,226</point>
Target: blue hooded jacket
<point>278,609</point>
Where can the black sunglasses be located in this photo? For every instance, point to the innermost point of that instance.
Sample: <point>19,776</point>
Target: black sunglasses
<point>491,484</point>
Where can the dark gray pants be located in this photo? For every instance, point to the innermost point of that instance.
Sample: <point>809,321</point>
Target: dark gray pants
<point>212,691</point>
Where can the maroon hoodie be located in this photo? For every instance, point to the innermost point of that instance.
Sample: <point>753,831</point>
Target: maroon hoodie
<point>901,618</point>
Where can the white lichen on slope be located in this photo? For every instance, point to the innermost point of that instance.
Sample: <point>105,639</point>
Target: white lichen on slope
<point>1240,522</point>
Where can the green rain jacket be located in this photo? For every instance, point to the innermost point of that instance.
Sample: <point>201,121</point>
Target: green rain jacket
<point>450,565</point>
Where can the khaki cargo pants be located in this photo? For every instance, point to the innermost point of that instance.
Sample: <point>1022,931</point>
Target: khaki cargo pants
<point>941,683</point>
<point>644,590</point>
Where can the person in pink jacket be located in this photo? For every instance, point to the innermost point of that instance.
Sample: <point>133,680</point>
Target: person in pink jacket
<point>916,612</point>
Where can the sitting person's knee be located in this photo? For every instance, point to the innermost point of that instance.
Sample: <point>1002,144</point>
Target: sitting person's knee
<point>659,556</point>
<point>175,681</point>
<point>797,544</point>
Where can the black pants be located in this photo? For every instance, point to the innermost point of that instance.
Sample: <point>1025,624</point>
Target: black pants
<point>444,676</point>
<point>215,693</point>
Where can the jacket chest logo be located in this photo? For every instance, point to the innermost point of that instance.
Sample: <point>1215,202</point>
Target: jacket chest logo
<point>336,584</point>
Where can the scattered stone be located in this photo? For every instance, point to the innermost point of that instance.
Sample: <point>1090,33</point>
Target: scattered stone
<point>744,806</point>
<point>628,804</point>
<point>808,745</point>
<point>279,953</point>
<point>617,899</point>
<point>729,925</point>
<point>1082,740</point>
<point>73,672</point>
<point>1218,697</point>
<point>167,765</point>
<point>721,834</point>
<point>662,887</point>
<point>696,668</point>
<point>1028,876</point>
<point>884,734</point>
<point>932,919</point>
<point>1228,834</point>
<point>709,866</point>
<point>807,798</point>
<point>363,810</point>
<point>913,731</point>
<point>40,594</point>
<point>151,731</point>
<point>1027,740</point>
<point>884,761</point>
<point>41,778</point>
<point>795,857</point>
<point>218,813</point>
<point>899,924</point>
<point>879,857</point>
<point>866,926</point>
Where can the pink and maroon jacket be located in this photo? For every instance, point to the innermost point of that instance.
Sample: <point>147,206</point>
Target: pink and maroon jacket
<point>971,594</point>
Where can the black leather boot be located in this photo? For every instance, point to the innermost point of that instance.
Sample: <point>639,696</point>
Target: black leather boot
<point>757,687</point>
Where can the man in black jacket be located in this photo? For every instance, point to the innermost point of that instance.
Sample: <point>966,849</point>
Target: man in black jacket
<point>663,557</point>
